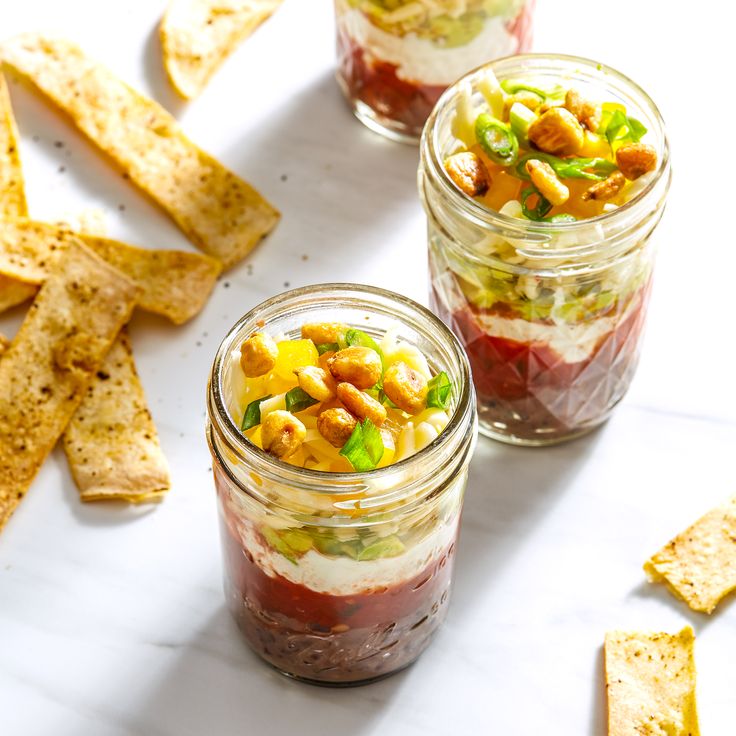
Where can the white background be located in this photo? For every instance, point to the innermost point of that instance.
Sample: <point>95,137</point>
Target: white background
<point>111,619</point>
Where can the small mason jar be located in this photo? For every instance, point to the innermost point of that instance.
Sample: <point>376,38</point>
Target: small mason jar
<point>396,57</point>
<point>550,314</point>
<point>340,578</point>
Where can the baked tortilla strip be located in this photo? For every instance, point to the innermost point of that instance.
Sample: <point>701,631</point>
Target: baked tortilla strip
<point>12,193</point>
<point>4,344</point>
<point>111,442</point>
<point>44,374</point>
<point>650,682</point>
<point>173,283</point>
<point>198,35</point>
<point>12,189</point>
<point>14,292</point>
<point>699,565</point>
<point>217,211</point>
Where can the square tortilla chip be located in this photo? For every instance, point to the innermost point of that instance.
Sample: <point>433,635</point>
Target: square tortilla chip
<point>198,35</point>
<point>650,681</point>
<point>173,283</point>
<point>44,375</point>
<point>217,211</point>
<point>12,188</point>
<point>111,441</point>
<point>699,565</point>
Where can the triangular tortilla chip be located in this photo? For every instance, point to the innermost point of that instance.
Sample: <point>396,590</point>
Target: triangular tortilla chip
<point>219,212</point>
<point>173,283</point>
<point>650,682</point>
<point>198,35</point>
<point>111,442</point>
<point>45,373</point>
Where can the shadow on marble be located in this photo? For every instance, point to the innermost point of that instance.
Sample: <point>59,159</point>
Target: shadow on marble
<point>154,72</point>
<point>510,490</point>
<point>217,685</point>
<point>333,180</point>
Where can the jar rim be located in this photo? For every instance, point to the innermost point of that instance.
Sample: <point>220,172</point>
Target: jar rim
<point>486,217</point>
<point>334,483</point>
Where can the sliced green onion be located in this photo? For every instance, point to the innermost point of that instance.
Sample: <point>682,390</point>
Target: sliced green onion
<point>327,347</point>
<point>563,217</point>
<point>252,416</point>
<point>594,169</point>
<point>623,129</point>
<point>364,449</point>
<point>542,207</point>
<point>511,87</point>
<point>297,399</point>
<point>386,547</point>
<point>440,389</point>
<point>361,339</point>
<point>497,140</point>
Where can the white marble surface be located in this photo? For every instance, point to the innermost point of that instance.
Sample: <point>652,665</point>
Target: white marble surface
<point>112,620</point>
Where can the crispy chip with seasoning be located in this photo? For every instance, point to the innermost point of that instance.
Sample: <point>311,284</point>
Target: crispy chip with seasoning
<point>650,682</point>
<point>45,372</point>
<point>12,187</point>
<point>111,442</point>
<point>198,35</point>
<point>219,212</point>
<point>699,565</point>
<point>173,283</point>
<point>12,194</point>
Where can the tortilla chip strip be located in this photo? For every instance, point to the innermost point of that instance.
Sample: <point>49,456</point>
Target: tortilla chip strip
<point>12,189</point>
<point>173,283</point>
<point>45,373</point>
<point>219,212</point>
<point>650,681</point>
<point>111,442</point>
<point>699,565</point>
<point>4,344</point>
<point>12,193</point>
<point>198,35</point>
<point>13,292</point>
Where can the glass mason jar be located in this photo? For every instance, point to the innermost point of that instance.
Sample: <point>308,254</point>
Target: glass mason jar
<point>396,57</point>
<point>340,578</point>
<point>550,314</point>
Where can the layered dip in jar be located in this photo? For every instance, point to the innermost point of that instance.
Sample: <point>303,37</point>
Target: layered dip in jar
<point>341,424</point>
<point>543,178</point>
<point>396,57</point>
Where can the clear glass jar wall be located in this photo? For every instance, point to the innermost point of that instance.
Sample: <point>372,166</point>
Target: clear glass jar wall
<point>550,314</point>
<point>340,578</point>
<point>396,57</point>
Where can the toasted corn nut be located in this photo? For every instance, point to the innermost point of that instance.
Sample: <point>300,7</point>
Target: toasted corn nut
<point>526,98</point>
<point>357,365</point>
<point>636,159</point>
<point>606,189</point>
<point>317,382</point>
<point>544,178</point>
<point>588,113</point>
<point>282,433</point>
<point>258,355</point>
<point>321,333</point>
<point>336,426</point>
<point>468,173</point>
<point>361,404</point>
<point>406,388</point>
<point>557,132</point>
